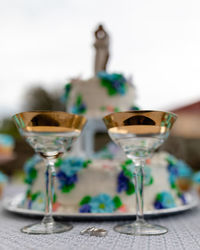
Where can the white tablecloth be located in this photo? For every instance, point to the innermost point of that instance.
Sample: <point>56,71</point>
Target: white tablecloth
<point>184,233</point>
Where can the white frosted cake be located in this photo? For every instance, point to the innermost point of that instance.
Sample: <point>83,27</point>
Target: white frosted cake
<point>104,186</point>
<point>100,95</point>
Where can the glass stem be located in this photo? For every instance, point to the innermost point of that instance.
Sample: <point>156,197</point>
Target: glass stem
<point>139,184</point>
<point>48,219</point>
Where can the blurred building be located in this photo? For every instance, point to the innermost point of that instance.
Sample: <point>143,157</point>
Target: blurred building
<point>184,140</point>
<point>188,122</point>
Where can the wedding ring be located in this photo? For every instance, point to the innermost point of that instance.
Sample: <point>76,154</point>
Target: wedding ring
<point>93,231</point>
<point>87,230</point>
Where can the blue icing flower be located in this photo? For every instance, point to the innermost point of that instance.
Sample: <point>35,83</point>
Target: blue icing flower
<point>115,83</point>
<point>171,159</point>
<point>122,182</point>
<point>74,110</point>
<point>85,208</point>
<point>164,200</point>
<point>183,199</point>
<point>183,169</point>
<point>158,205</point>
<point>79,107</point>
<point>70,166</point>
<point>3,178</point>
<point>39,203</point>
<point>6,140</point>
<point>172,169</point>
<point>129,170</point>
<point>177,168</point>
<point>66,180</point>
<point>102,203</point>
<point>134,108</point>
<point>196,177</point>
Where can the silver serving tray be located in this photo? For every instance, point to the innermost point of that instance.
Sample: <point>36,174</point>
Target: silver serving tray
<point>13,205</point>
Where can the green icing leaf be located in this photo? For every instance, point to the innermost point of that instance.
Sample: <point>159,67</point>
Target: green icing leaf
<point>31,176</point>
<point>58,162</point>
<point>158,197</point>
<point>27,181</point>
<point>79,100</point>
<point>111,91</point>
<point>128,161</point>
<point>86,199</point>
<point>117,201</point>
<point>35,195</point>
<point>33,173</point>
<point>126,172</point>
<point>68,188</point>
<point>135,108</point>
<point>173,185</point>
<point>68,88</point>
<point>86,163</point>
<point>104,82</point>
<point>151,181</point>
<point>131,189</point>
<point>54,198</point>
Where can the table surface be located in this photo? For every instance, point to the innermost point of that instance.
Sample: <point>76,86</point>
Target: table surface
<point>184,233</point>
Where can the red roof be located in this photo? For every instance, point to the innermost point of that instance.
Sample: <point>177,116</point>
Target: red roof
<point>191,108</point>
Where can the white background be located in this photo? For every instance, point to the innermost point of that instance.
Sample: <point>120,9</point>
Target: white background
<point>49,41</point>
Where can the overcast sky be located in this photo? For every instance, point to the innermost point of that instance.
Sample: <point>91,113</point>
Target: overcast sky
<point>156,42</point>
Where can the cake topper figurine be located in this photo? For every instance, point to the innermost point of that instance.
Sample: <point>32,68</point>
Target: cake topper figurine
<point>102,49</point>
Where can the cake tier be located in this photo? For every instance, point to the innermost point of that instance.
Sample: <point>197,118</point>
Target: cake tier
<point>97,97</point>
<point>102,186</point>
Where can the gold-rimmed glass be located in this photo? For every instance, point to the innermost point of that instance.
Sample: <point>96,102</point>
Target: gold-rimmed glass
<point>50,134</point>
<point>139,134</point>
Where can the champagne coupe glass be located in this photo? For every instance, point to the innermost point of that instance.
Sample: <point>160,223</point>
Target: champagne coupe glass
<point>139,134</point>
<point>50,134</point>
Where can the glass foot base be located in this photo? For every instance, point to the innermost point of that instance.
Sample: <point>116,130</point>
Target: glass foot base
<point>140,228</point>
<point>46,228</point>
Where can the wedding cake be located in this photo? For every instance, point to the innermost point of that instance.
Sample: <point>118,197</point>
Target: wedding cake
<point>89,182</point>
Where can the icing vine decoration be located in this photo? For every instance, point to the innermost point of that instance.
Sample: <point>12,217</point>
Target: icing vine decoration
<point>36,201</point>
<point>124,179</point>
<point>101,203</point>
<point>177,169</point>
<point>79,106</point>
<point>134,108</point>
<point>64,98</point>
<point>164,200</point>
<point>67,173</point>
<point>115,83</point>
<point>30,170</point>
